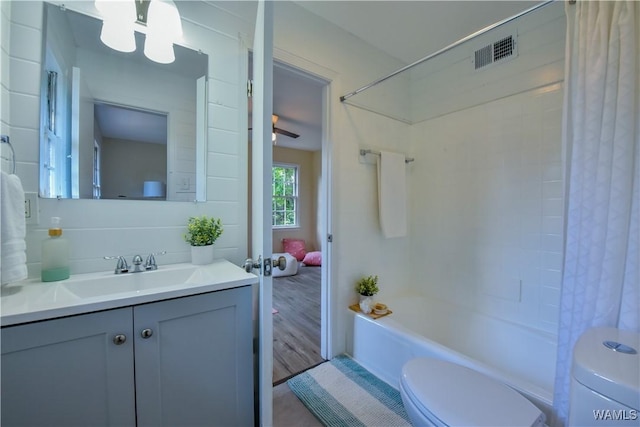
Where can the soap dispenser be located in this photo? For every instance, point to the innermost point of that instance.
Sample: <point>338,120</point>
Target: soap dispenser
<point>55,254</point>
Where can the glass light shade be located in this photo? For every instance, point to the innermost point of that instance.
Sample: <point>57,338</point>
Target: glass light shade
<point>119,17</point>
<point>153,189</point>
<point>163,20</point>
<point>159,50</point>
<point>117,37</point>
<point>164,28</point>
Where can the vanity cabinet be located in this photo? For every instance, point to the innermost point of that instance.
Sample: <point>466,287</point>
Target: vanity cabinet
<point>184,361</point>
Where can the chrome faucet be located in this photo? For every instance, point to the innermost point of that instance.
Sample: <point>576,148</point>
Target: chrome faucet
<point>137,262</point>
<point>138,267</point>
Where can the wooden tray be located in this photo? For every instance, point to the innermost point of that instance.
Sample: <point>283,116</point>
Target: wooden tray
<point>356,308</point>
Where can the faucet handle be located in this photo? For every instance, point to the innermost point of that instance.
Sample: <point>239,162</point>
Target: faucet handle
<point>150,264</point>
<point>121,265</point>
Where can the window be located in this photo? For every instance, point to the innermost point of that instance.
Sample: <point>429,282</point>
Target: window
<point>96,170</point>
<point>55,151</point>
<point>285,195</point>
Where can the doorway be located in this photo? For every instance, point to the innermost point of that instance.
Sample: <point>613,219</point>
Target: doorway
<point>298,221</point>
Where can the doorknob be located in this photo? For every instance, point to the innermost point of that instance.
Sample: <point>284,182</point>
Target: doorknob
<point>119,339</point>
<point>250,264</point>
<point>146,333</point>
<point>281,263</point>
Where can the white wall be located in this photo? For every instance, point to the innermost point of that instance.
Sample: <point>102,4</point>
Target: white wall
<point>487,203</point>
<point>98,228</point>
<point>126,165</point>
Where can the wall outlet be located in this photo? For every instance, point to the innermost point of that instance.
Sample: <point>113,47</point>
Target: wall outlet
<point>186,183</point>
<point>31,210</point>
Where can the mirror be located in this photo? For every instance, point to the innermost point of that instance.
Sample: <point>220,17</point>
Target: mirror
<point>117,125</point>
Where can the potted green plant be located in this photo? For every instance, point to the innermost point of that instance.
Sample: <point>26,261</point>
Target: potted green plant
<point>367,287</point>
<point>202,232</point>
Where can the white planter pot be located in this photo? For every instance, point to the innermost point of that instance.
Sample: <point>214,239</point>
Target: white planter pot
<point>201,255</point>
<point>366,304</point>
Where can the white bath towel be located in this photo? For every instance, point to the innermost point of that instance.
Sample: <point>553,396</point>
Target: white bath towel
<point>13,256</point>
<point>392,194</point>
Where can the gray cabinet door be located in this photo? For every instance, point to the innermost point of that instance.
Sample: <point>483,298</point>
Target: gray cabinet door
<point>194,360</point>
<point>69,371</point>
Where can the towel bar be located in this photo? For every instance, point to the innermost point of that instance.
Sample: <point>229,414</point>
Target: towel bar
<point>364,152</point>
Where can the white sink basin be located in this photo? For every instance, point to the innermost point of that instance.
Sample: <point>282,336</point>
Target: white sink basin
<point>89,287</point>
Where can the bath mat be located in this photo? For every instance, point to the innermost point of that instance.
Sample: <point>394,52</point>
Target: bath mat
<point>342,393</point>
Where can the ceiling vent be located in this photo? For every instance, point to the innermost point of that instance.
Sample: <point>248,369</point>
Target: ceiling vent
<point>499,51</point>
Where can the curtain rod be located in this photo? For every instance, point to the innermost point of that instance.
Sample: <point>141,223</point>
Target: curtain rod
<point>445,49</point>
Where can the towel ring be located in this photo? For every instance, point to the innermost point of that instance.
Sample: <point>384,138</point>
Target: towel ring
<point>5,140</point>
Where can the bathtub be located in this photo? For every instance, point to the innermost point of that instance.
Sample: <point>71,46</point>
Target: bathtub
<point>521,357</point>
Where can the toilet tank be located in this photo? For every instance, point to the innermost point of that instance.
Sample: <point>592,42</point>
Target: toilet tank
<point>605,383</point>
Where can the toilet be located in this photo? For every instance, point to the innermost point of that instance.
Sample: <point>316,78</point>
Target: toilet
<point>440,393</point>
<point>605,379</point>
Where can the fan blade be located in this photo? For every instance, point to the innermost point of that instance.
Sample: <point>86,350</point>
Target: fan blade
<point>285,132</point>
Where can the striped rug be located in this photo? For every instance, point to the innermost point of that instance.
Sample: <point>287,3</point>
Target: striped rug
<point>342,393</point>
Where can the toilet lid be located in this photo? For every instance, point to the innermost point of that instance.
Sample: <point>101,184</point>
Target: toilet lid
<point>459,396</point>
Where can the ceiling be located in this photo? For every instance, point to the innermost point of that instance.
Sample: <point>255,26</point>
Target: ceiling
<point>297,100</point>
<point>405,30</point>
<point>410,30</point>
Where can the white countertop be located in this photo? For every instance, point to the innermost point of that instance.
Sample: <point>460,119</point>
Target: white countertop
<point>32,300</point>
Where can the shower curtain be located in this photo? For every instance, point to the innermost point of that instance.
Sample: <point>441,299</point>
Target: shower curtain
<point>601,279</point>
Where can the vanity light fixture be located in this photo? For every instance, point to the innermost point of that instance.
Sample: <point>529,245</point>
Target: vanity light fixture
<point>161,17</point>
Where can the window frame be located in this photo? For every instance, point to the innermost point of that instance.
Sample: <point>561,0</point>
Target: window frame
<point>295,197</point>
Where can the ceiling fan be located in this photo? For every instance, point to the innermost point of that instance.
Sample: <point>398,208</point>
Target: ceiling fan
<point>274,120</point>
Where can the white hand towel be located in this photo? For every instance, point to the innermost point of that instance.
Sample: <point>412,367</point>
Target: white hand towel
<point>13,256</point>
<point>392,194</point>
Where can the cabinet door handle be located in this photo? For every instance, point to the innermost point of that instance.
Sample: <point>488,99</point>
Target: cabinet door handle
<point>146,333</point>
<point>119,339</point>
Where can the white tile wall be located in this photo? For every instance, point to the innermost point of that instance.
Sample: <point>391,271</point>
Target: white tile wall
<point>488,210</point>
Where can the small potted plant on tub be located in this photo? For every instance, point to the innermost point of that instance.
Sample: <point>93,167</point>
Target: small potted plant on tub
<point>202,232</point>
<point>367,287</point>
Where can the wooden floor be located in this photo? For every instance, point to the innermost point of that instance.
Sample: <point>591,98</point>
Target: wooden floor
<point>296,326</point>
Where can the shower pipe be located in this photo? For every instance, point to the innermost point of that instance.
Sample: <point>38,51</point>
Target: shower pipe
<point>445,49</point>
